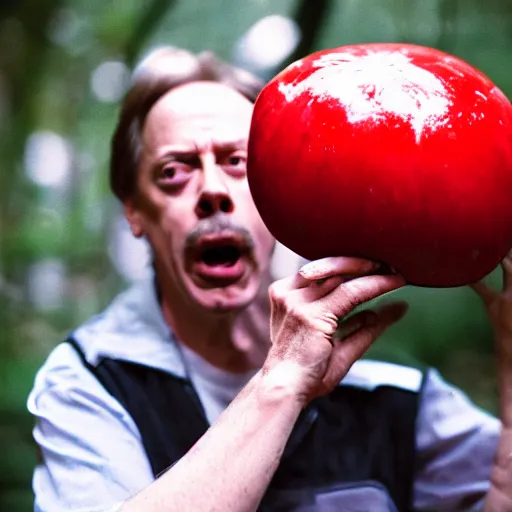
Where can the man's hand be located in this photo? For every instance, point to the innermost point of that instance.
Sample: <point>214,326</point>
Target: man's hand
<point>307,358</point>
<point>498,305</point>
<point>305,313</point>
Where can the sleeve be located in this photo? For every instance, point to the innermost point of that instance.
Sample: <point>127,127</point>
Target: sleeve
<point>456,444</point>
<point>92,456</point>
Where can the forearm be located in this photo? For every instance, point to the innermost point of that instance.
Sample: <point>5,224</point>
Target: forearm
<point>231,466</point>
<point>499,498</point>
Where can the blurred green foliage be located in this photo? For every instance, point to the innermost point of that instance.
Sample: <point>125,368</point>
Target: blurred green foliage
<point>50,52</point>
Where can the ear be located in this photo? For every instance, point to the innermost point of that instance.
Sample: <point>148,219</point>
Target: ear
<point>134,218</point>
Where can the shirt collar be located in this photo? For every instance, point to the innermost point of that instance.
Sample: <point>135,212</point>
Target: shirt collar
<point>133,329</point>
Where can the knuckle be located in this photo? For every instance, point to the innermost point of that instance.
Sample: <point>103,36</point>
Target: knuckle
<point>288,304</point>
<point>298,311</point>
<point>329,323</point>
<point>276,293</point>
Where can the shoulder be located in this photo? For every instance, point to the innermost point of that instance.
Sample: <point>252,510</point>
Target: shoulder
<point>369,374</point>
<point>456,442</point>
<point>65,387</point>
<point>62,373</point>
<point>63,367</point>
<point>132,328</point>
<point>446,408</point>
<point>92,454</point>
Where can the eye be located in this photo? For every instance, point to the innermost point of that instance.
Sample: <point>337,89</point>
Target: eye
<point>169,172</point>
<point>235,160</point>
<point>235,164</point>
<point>173,174</point>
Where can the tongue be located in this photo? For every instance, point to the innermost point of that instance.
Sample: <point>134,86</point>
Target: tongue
<point>223,256</point>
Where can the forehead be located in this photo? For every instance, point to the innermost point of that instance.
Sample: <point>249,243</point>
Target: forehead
<point>198,114</point>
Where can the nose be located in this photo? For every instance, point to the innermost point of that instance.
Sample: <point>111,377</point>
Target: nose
<point>214,196</point>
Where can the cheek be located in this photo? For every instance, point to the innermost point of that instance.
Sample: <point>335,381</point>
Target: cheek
<point>254,221</point>
<point>263,238</point>
<point>167,229</point>
<point>266,245</point>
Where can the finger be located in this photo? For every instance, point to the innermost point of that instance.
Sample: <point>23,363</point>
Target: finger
<point>483,290</point>
<point>386,314</point>
<point>368,325</point>
<point>353,324</point>
<point>320,288</point>
<point>346,297</point>
<point>337,266</point>
<point>294,282</point>
<point>506,265</point>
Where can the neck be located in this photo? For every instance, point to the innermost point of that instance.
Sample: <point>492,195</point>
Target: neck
<point>235,341</point>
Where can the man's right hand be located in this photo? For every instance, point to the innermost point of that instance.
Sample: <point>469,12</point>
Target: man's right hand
<point>309,354</point>
<point>306,359</point>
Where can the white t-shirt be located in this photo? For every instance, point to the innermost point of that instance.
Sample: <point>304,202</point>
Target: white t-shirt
<point>216,388</point>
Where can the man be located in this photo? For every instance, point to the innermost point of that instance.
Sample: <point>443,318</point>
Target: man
<point>182,396</point>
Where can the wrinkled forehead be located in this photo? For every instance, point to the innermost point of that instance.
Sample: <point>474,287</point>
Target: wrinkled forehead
<point>196,113</point>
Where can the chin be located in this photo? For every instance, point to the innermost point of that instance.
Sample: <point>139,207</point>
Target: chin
<point>229,299</point>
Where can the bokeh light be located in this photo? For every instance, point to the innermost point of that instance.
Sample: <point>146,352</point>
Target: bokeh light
<point>48,159</point>
<point>47,284</point>
<point>267,43</point>
<point>109,81</point>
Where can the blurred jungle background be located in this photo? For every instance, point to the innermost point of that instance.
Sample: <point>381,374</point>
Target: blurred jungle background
<point>65,249</point>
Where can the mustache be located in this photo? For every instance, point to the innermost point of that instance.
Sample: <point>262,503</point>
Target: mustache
<point>215,224</point>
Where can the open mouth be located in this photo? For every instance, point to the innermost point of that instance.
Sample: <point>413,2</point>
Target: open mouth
<point>223,255</point>
<point>219,259</point>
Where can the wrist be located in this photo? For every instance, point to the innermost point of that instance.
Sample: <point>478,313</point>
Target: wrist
<point>283,383</point>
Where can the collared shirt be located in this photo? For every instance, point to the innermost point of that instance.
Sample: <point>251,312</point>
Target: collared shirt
<point>92,450</point>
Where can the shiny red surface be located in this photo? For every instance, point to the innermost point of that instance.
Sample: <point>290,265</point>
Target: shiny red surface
<point>392,152</point>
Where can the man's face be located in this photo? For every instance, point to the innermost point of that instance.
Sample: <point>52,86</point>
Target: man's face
<point>193,202</point>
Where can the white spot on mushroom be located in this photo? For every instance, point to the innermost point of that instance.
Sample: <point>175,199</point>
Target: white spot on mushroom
<point>375,85</point>
<point>478,93</point>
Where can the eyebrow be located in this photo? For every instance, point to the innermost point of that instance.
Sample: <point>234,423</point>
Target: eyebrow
<point>232,144</point>
<point>174,154</point>
<point>177,152</point>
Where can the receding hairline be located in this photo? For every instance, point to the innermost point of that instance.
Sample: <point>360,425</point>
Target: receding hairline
<point>192,89</point>
<point>161,72</point>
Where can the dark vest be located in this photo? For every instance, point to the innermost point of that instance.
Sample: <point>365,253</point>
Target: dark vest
<point>354,444</point>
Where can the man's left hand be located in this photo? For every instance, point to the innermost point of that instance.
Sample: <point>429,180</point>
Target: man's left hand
<point>498,305</point>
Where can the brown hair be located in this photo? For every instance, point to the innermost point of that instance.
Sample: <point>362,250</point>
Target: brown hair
<point>162,70</point>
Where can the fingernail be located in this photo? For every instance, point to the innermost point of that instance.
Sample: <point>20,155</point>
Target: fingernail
<point>308,270</point>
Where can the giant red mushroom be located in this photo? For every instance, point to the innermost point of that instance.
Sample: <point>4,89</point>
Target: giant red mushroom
<point>392,152</point>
